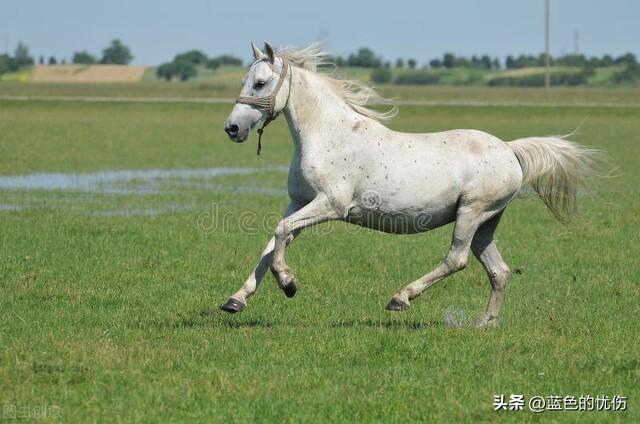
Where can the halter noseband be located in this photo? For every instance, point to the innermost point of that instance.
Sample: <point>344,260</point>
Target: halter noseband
<point>267,103</point>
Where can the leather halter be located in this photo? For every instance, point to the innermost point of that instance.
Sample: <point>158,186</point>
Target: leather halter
<point>267,103</point>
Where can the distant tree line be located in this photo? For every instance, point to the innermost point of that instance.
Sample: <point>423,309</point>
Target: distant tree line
<point>366,58</point>
<point>570,78</point>
<point>450,60</point>
<point>185,65</point>
<point>116,53</point>
<point>20,59</point>
<point>578,69</point>
<point>572,60</point>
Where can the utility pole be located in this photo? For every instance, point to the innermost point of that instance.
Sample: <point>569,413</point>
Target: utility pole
<point>547,73</point>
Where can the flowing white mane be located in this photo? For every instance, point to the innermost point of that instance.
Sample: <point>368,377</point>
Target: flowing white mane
<point>356,94</point>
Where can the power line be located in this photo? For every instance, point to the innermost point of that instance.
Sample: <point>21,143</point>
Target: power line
<point>547,74</point>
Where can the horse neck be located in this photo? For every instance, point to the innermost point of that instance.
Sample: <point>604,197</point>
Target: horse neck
<point>313,107</point>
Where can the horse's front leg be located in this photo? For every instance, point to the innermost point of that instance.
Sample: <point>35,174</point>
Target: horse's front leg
<point>319,210</point>
<point>238,301</point>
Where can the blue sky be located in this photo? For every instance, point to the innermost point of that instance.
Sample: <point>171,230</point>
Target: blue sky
<point>156,30</point>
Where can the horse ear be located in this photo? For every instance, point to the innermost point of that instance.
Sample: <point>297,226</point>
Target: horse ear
<point>257,53</point>
<point>271,53</point>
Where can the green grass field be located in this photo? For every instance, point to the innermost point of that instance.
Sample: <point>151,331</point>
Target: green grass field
<point>109,293</point>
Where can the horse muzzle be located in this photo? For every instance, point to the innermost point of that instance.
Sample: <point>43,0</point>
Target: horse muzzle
<point>235,133</point>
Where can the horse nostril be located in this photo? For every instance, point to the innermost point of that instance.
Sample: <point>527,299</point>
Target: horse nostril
<point>231,129</point>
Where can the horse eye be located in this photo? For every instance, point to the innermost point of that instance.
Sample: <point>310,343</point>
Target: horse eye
<point>258,85</point>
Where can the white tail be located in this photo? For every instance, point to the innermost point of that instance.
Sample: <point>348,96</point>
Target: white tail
<point>555,168</point>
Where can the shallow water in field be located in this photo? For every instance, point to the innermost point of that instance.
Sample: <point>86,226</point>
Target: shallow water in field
<point>8,207</point>
<point>93,192</point>
<point>136,181</point>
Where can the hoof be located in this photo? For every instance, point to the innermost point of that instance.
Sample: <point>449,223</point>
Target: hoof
<point>290,288</point>
<point>396,305</point>
<point>286,281</point>
<point>232,306</point>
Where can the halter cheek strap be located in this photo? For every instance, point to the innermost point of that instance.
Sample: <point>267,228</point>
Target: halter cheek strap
<point>267,103</point>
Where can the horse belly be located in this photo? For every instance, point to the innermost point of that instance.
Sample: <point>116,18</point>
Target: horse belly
<point>398,223</point>
<point>401,221</point>
<point>412,199</point>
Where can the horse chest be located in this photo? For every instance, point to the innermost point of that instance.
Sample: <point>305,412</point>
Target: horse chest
<point>310,174</point>
<point>303,181</point>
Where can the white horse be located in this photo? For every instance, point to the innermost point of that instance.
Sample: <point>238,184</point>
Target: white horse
<point>348,166</point>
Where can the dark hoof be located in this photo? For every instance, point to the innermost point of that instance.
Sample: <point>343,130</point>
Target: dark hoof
<point>290,288</point>
<point>232,306</point>
<point>287,283</point>
<point>396,305</point>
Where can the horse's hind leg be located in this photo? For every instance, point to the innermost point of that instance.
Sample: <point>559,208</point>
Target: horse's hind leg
<point>484,248</point>
<point>469,218</point>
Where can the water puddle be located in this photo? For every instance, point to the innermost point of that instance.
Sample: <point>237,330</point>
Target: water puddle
<point>131,212</point>
<point>84,192</point>
<point>137,181</point>
<point>8,207</point>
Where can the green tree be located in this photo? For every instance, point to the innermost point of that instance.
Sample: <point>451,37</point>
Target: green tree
<point>461,62</point>
<point>626,59</point>
<point>21,56</point>
<point>83,57</point>
<point>448,60</point>
<point>365,58</point>
<point>7,64</point>
<point>400,63</point>
<point>166,71</point>
<point>485,60</point>
<point>412,63</point>
<point>225,59</point>
<point>606,60</point>
<point>435,63</point>
<point>117,54</point>
<point>510,62</point>
<point>183,70</point>
<point>52,60</point>
<point>417,77</point>
<point>381,75</point>
<point>630,74</point>
<point>192,56</point>
<point>213,63</point>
